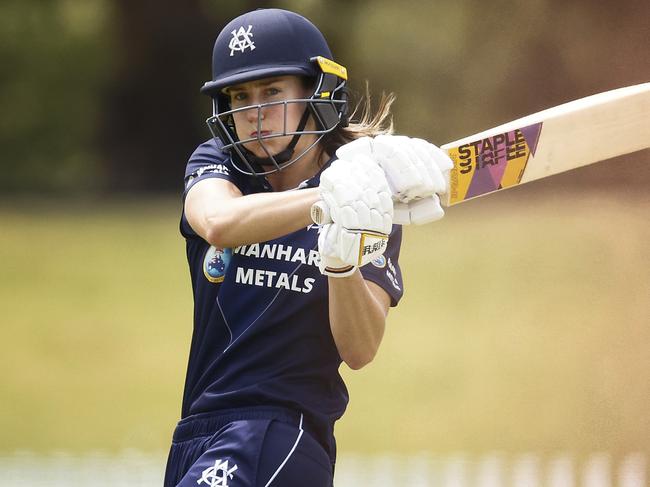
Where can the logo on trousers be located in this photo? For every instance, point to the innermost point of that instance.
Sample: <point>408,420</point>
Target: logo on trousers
<point>241,40</point>
<point>218,474</point>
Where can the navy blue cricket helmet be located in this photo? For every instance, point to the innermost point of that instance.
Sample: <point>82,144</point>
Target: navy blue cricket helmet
<point>267,43</point>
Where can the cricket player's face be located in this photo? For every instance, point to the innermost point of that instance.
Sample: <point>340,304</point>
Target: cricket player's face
<point>267,122</point>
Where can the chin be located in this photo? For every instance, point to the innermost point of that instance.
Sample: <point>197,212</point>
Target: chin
<point>273,146</point>
<point>257,151</point>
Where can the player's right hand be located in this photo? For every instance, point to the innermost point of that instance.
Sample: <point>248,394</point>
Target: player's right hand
<point>417,172</point>
<point>357,198</point>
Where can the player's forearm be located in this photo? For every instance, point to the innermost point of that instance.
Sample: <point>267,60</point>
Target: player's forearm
<point>258,217</point>
<point>357,319</point>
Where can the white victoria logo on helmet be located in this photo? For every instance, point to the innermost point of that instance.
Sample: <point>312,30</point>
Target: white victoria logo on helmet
<point>241,40</point>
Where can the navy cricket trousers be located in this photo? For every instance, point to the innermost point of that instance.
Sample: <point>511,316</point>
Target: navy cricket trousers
<point>246,448</point>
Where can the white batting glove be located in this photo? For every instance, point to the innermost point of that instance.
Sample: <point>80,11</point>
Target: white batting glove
<point>416,170</point>
<point>357,198</point>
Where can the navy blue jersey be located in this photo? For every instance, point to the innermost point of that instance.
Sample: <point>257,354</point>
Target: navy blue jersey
<point>261,324</point>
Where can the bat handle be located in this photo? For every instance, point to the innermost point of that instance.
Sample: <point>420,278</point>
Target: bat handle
<point>420,211</point>
<point>320,213</point>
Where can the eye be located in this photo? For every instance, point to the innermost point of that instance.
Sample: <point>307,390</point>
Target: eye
<point>272,91</point>
<point>238,96</point>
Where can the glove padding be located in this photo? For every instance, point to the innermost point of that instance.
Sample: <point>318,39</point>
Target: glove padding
<point>357,197</point>
<point>417,172</point>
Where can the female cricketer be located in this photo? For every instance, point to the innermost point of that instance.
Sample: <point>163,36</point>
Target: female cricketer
<point>280,302</point>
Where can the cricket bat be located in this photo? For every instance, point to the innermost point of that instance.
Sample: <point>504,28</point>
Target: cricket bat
<point>549,142</point>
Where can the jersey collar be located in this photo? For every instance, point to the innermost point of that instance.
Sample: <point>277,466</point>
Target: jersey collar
<point>314,181</point>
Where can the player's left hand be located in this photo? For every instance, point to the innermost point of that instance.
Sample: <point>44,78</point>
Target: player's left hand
<point>416,171</point>
<point>357,199</point>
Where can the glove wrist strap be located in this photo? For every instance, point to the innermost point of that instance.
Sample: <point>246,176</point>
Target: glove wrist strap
<point>339,271</point>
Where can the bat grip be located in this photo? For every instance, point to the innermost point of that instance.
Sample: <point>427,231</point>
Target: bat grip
<point>320,213</point>
<point>419,212</point>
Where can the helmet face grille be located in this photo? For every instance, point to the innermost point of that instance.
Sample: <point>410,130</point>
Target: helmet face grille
<point>221,125</point>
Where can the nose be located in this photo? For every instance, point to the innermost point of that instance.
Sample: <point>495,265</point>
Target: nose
<point>253,114</point>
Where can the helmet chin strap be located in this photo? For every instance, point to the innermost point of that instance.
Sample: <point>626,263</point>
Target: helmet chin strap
<point>283,156</point>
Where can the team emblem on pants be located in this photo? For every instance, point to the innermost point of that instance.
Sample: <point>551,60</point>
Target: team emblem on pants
<point>218,474</point>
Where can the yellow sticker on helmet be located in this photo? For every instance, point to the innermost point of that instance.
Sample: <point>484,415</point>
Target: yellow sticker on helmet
<point>330,67</point>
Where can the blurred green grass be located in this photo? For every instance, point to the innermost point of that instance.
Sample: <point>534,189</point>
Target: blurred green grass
<point>524,327</point>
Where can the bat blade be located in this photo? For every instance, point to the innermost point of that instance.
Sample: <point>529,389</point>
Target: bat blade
<point>549,142</point>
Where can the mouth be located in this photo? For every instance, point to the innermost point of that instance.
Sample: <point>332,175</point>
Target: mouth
<point>256,134</point>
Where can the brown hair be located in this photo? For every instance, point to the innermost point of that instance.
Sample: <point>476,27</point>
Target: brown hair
<point>363,122</point>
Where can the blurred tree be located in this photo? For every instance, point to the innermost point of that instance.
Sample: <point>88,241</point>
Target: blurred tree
<point>53,62</point>
<point>459,67</point>
<point>105,93</point>
<point>154,112</point>
<point>150,125</point>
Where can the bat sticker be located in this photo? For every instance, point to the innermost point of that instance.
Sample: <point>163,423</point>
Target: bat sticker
<point>492,163</point>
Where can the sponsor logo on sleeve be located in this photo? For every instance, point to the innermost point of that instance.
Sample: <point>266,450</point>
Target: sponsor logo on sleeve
<point>211,169</point>
<point>379,262</point>
<point>391,274</point>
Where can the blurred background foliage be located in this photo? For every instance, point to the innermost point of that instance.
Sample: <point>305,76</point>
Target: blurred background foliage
<point>539,336</point>
<point>101,96</point>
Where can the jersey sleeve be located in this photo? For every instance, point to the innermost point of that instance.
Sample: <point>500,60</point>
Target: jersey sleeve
<point>385,270</point>
<point>207,161</point>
